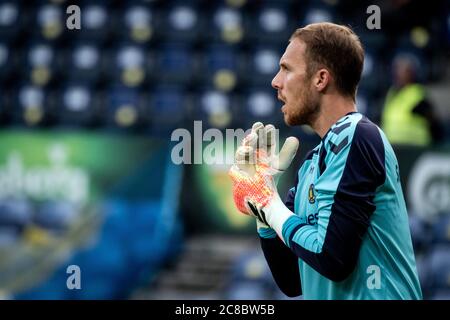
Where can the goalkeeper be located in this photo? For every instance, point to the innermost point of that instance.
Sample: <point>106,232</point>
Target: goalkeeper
<point>342,231</point>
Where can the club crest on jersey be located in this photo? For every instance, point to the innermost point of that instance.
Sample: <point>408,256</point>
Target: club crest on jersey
<point>311,196</point>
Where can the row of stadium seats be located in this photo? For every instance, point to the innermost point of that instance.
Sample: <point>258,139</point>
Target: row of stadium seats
<point>220,65</point>
<point>166,107</point>
<point>144,21</point>
<point>18,214</point>
<point>231,21</point>
<point>172,63</point>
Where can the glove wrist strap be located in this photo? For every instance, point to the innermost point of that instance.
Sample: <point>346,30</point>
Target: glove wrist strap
<point>277,214</point>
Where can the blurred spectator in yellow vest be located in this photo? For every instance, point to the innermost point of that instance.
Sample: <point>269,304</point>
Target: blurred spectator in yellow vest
<point>408,116</point>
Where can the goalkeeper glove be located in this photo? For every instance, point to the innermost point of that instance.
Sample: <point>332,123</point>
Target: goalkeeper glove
<point>256,173</point>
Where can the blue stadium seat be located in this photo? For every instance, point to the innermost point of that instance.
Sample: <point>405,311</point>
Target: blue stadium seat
<point>315,14</point>
<point>181,22</point>
<point>128,65</point>
<point>220,67</point>
<point>137,23</point>
<point>11,20</point>
<point>39,63</point>
<point>31,105</point>
<point>168,108</point>
<point>175,64</point>
<point>15,213</point>
<point>225,24</point>
<point>262,64</point>
<point>56,216</point>
<point>124,107</point>
<point>95,23</point>
<point>84,62</point>
<point>50,22</point>
<point>78,105</point>
<point>262,104</point>
<point>272,23</point>
<point>215,109</point>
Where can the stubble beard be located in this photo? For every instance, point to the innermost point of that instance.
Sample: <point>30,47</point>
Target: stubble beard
<point>306,112</point>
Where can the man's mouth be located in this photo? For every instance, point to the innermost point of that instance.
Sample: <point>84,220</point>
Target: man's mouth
<point>283,101</point>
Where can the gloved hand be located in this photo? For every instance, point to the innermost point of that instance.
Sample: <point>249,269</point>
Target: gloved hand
<point>266,149</point>
<point>257,170</point>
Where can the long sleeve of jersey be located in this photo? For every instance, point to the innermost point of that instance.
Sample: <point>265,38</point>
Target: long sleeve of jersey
<point>283,263</point>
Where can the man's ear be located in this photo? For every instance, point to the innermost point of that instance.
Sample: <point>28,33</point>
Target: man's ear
<point>322,80</point>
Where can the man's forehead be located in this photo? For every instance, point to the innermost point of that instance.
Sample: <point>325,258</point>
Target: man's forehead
<point>294,52</point>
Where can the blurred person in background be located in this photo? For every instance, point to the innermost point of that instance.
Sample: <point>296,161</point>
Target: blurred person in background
<point>408,115</point>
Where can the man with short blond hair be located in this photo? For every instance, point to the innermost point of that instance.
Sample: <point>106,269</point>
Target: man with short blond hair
<point>342,232</point>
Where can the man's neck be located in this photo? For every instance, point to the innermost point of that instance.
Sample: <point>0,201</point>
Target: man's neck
<point>331,111</point>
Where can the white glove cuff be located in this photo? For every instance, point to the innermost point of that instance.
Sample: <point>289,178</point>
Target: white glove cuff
<point>277,214</point>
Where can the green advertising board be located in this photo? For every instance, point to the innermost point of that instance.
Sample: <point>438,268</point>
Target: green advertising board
<point>78,169</point>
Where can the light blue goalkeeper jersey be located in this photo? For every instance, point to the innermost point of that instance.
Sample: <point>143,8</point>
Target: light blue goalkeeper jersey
<point>350,232</point>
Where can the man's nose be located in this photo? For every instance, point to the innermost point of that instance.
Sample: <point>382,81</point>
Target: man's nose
<point>276,81</point>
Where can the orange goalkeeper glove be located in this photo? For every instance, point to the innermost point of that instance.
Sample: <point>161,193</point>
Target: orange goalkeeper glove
<point>257,170</point>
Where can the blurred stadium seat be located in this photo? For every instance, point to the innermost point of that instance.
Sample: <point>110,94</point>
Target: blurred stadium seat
<point>181,22</point>
<point>15,213</point>
<point>167,109</point>
<point>261,65</point>
<point>31,106</point>
<point>128,65</point>
<point>125,106</point>
<point>78,105</point>
<point>175,64</point>
<point>10,20</point>
<point>226,25</point>
<point>84,62</point>
<point>39,63</point>
<point>49,21</point>
<point>95,23</point>
<point>137,23</point>
<point>260,103</point>
<point>271,23</point>
<point>55,216</point>
<point>215,108</point>
<point>220,67</point>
